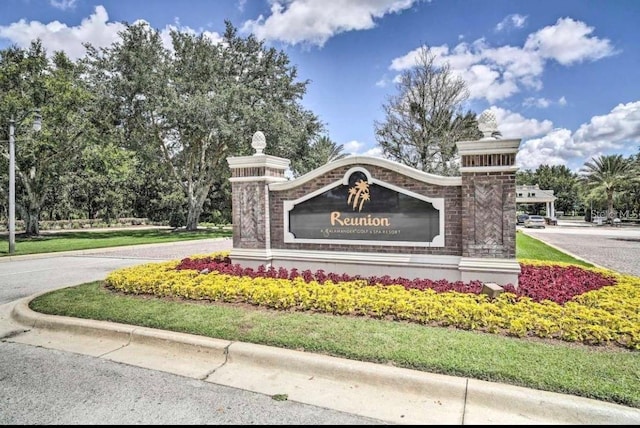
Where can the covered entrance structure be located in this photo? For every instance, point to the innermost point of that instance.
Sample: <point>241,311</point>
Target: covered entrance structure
<point>535,195</point>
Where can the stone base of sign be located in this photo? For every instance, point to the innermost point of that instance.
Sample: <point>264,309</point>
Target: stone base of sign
<point>395,265</point>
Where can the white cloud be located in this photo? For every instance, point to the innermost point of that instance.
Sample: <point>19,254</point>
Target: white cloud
<point>496,73</point>
<point>376,152</point>
<point>543,102</point>
<point>411,58</point>
<point>552,149</point>
<point>56,36</point>
<point>568,42</point>
<point>536,102</point>
<point>165,34</point>
<point>515,64</point>
<point>612,132</point>
<point>382,83</point>
<point>314,22</point>
<point>511,21</point>
<point>483,81</point>
<point>95,30</point>
<point>63,4</point>
<point>514,125</point>
<point>358,148</point>
<point>353,147</point>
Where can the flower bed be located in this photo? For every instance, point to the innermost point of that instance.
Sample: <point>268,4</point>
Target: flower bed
<point>558,301</point>
<point>538,282</point>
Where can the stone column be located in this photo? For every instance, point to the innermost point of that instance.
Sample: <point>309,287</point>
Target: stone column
<point>250,178</point>
<point>489,207</point>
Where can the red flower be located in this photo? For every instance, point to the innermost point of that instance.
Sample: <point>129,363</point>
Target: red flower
<point>556,283</point>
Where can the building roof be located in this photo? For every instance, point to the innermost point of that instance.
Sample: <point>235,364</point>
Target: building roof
<point>533,194</point>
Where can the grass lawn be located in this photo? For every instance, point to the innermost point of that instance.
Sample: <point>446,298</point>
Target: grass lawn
<point>531,248</point>
<point>603,373</point>
<point>84,240</point>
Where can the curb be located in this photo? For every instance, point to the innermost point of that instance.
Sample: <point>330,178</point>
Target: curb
<point>481,400</point>
<point>341,369</point>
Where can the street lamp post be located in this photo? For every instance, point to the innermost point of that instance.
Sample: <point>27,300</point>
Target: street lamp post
<point>37,123</point>
<point>12,187</point>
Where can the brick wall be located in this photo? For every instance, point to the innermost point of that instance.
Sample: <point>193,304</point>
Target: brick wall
<point>249,214</point>
<point>489,215</point>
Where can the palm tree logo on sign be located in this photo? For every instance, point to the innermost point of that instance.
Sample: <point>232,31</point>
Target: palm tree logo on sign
<point>358,195</point>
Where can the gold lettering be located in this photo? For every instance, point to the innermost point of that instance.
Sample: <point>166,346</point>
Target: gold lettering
<point>335,218</point>
<point>359,221</point>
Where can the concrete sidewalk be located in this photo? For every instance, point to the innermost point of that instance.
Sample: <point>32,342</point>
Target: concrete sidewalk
<point>390,394</point>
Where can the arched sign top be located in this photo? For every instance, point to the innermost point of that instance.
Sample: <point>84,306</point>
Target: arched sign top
<point>368,160</point>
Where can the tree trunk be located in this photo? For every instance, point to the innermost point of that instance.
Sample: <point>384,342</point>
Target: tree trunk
<point>193,216</point>
<point>610,213</point>
<point>31,216</point>
<point>196,202</point>
<point>34,201</point>
<point>31,225</point>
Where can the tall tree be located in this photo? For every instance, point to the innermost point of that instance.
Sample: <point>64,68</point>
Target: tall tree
<point>526,177</point>
<point>425,119</point>
<point>562,181</point>
<point>29,79</point>
<point>99,181</point>
<point>607,174</point>
<point>201,101</point>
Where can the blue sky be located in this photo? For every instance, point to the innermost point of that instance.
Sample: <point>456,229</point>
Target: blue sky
<point>562,75</point>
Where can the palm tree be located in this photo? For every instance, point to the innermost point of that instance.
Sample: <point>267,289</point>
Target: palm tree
<point>325,150</point>
<point>321,151</point>
<point>607,173</point>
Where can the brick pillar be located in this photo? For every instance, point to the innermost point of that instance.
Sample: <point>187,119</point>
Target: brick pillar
<point>489,210</point>
<point>250,178</point>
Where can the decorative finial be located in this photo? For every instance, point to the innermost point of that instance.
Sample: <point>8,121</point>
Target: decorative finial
<point>258,142</point>
<point>487,124</point>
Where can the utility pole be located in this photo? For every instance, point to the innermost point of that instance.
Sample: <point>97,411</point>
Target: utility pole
<point>12,187</point>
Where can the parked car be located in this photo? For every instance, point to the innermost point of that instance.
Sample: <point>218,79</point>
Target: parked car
<point>521,218</point>
<point>535,221</point>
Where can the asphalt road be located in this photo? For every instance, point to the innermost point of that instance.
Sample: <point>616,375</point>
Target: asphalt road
<point>615,248</point>
<point>46,386</point>
<point>24,276</point>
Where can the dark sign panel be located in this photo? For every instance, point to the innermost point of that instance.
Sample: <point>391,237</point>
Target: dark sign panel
<point>364,211</point>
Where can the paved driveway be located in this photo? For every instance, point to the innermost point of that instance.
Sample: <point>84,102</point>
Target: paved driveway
<point>615,248</point>
<point>22,276</point>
